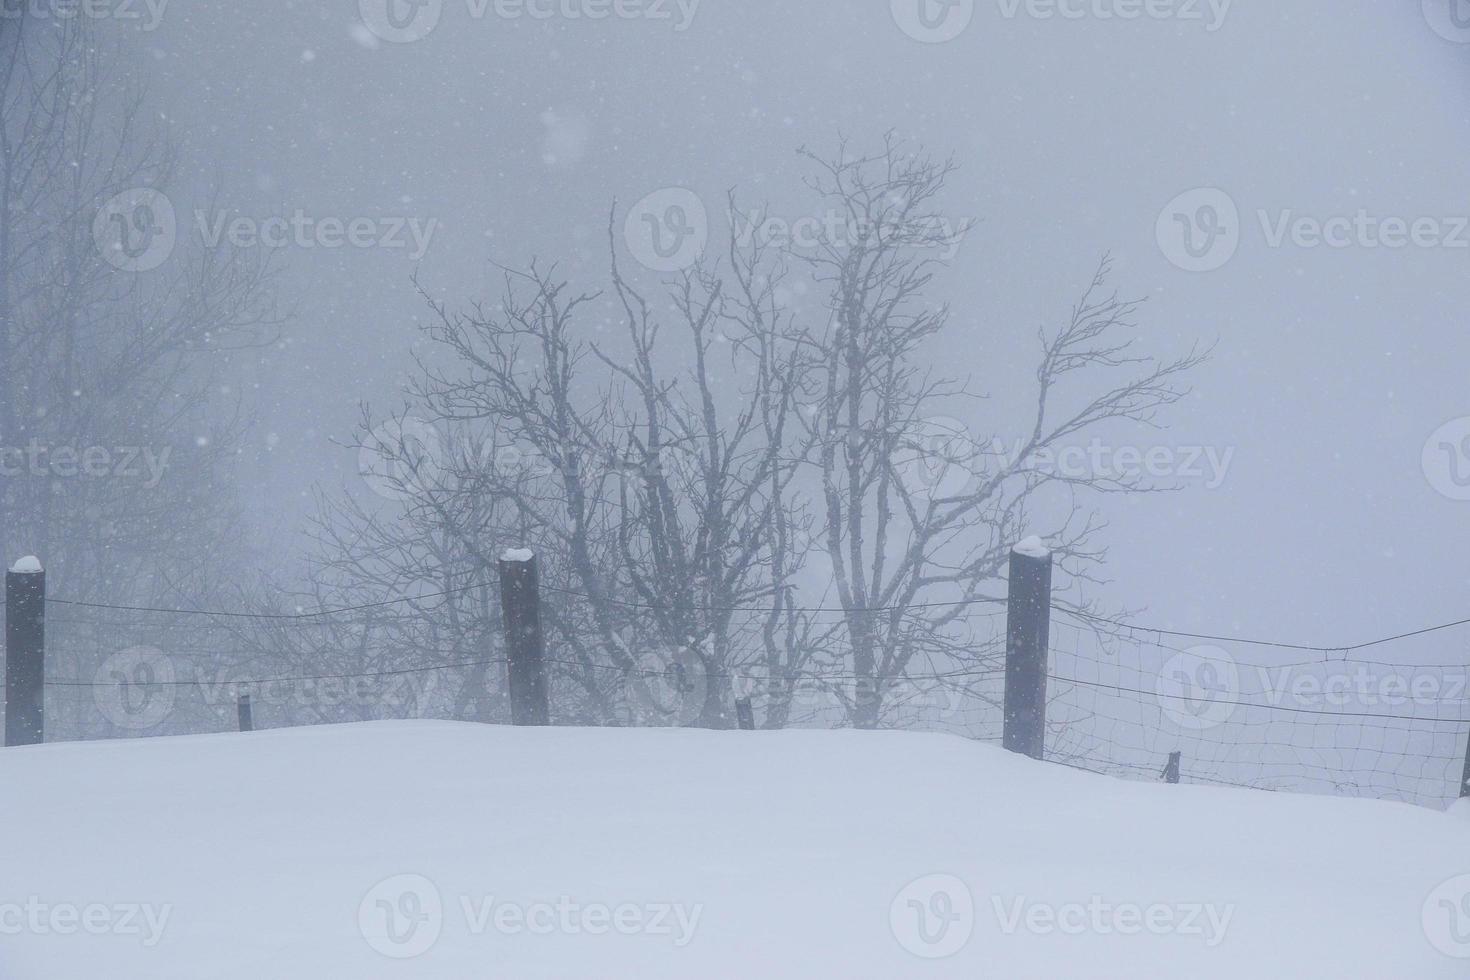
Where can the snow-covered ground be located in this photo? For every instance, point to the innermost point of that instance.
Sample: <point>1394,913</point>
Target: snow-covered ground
<point>456,851</point>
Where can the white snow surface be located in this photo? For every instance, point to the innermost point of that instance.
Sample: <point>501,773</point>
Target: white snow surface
<point>30,565</point>
<point>780,854</point>
<point>518,555</point>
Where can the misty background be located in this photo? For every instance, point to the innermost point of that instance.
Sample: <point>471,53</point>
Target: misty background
<point>1331,367</point>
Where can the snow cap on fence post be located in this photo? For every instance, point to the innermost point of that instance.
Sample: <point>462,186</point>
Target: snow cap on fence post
<point>1032,547</point>
<point>29,565</point>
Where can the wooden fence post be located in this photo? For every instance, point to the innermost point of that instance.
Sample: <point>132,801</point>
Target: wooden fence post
<point>247,715</point>
<point>1172,770</point>
<point>25,653</point>
<point>1028,639</point>
<point>520,601</point>
<point>745,714</point>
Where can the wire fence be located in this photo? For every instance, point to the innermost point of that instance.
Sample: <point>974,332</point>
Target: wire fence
<point>1329,723</point>
<point>1386,719</point>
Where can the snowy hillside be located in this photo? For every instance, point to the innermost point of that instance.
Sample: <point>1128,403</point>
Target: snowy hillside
<point>453,851</point>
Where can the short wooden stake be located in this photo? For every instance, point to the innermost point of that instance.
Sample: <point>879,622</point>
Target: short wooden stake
<point>745,714</point>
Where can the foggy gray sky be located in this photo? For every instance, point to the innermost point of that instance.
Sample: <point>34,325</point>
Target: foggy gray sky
<point>1333,365</point>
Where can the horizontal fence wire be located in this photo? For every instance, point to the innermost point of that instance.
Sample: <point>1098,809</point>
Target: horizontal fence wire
<point>1122,697</point>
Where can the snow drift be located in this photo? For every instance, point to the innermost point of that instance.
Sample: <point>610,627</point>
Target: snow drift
<point>445,850</point>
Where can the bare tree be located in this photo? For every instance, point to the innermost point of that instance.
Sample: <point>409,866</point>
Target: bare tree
<point>657,494</point>
<point>919,518</point>
<point>701,471</point>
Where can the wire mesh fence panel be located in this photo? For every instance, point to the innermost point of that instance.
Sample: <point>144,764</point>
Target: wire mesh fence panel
<point>1328,723</point>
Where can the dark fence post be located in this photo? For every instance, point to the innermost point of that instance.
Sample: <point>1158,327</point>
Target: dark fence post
<point>745,714</point>
<point>1028,639</point>
<point>1172,770</point>
<point>25,653</point>
<point>520,600</point>
<point>247,716</point>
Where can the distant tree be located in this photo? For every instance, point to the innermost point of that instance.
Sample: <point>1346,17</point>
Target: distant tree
<point>118,431</point>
